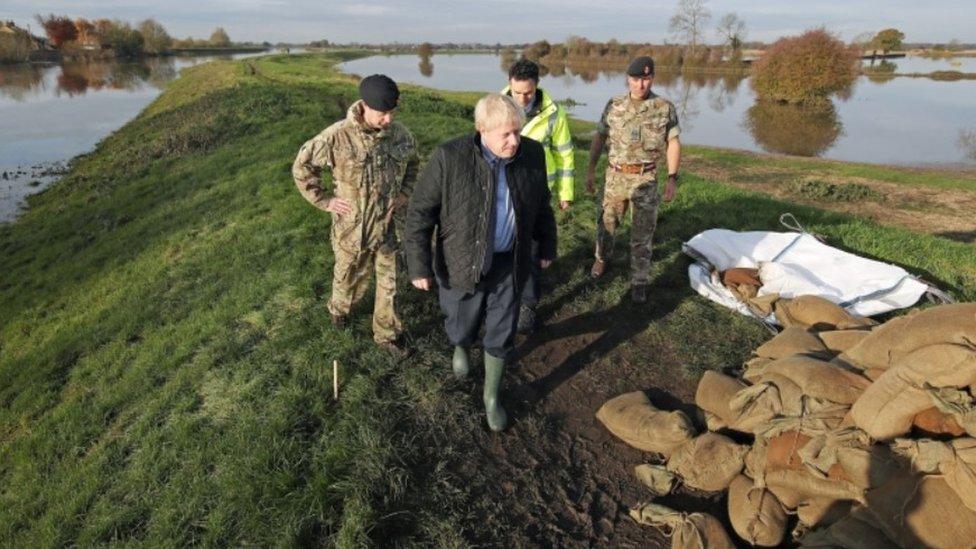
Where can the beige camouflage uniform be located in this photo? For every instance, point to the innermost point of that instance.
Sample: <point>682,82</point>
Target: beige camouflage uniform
<point>637,132</point>
<point>374,170</point>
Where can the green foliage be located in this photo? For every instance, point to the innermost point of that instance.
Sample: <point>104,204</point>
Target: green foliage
<point>808,68</point>
<point>888,39</point>
<point>123,39</point>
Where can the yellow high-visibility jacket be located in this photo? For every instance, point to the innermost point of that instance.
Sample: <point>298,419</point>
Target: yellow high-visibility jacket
<point>550,127</point>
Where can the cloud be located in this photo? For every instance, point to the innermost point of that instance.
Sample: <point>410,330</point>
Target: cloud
<point>367,10</point>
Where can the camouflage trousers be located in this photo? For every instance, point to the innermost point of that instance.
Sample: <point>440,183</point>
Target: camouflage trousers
<point>639,192</point>
<point>351,275</point>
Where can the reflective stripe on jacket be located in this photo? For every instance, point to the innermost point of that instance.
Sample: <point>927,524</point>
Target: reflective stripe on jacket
<point>551,128</point>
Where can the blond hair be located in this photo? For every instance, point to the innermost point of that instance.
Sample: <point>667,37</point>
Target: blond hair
<point>496,109</point>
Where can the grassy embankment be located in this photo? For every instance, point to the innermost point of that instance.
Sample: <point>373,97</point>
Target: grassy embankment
<point>165,356</point>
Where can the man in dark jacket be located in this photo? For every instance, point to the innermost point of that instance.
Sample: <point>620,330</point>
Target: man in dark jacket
<point>487,196</point>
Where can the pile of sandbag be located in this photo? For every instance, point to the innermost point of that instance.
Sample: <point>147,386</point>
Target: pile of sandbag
<point>865,433</point>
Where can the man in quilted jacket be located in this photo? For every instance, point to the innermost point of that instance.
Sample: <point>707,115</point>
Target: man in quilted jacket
<point>483,199</point>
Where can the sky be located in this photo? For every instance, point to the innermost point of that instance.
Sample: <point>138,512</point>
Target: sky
<point>508,21</point>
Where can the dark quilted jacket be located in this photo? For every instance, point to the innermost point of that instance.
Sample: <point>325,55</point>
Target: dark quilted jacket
<point>452,194</point>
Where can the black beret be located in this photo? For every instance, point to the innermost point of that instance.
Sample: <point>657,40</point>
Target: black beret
<point>642,66</point>
<point>380,92</point>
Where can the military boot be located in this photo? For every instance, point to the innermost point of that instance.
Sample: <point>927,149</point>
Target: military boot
<point>494,368</point>
<point>460,363</point>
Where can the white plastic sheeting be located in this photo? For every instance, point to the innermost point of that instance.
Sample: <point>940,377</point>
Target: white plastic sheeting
<point>793,264</point>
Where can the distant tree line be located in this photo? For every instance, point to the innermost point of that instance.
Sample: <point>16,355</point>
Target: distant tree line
<point>80,36</point>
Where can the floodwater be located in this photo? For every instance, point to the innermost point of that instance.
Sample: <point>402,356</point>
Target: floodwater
<point>50,113</point>
<point>899,121</point>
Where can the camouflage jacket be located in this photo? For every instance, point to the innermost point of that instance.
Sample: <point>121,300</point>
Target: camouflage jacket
<point>374,170</point>
<point>638,131</point>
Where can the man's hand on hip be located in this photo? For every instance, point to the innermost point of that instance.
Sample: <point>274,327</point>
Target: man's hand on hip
<point>545,263</point>
<point>424,284</point>
<point>339,206</point>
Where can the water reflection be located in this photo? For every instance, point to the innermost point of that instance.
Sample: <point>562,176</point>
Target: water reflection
<point>791,129</point>
<point>967,142</point>
<point>426,66</point>
<point>17,80</point>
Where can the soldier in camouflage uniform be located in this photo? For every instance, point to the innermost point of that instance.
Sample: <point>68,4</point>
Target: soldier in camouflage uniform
<point>638,127</point>
<point>374,165</point>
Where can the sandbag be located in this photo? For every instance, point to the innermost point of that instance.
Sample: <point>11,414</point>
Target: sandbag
<point>822,511</point>
<point>708,462</point>
<point>755,460</point>
<point>790,394</point>
<point>939,365</point>
<point>815,417</point>
<point>656,478</point>
<point>816,313</point>
<point>922,511</point>
<point>955,460</point>
<point>874,373</point>
<point>782,451</point>
<point>755,405</point>
<point>714,392</point>
<point>792,341</point>
<point>754,368</point>
<point>855,531</point>
<point>819,379</point>
<point>632,418</point>
<point>865,467</point>
<point>741,275</point>
<point>933,422</point>
<point>888,406</point>
<point>954,324</point>
<point>713,422</point>
<point>755,513</point>
<point>958,404</point>
<point>688,531</point>
<point>792,488</point>
<point>838,341</point>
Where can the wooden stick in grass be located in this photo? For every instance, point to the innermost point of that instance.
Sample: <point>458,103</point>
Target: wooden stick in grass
<point>335,379</point>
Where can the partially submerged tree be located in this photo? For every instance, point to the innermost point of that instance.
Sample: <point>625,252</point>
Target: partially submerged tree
<point>732,31</point>
<point>59,29</point>
<point>888,39</point>
<point>689,20</point>
<point>805,69</point>
<point>425,50</point>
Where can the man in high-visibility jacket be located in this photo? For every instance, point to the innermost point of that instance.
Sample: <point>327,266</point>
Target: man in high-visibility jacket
<point>546,123</point>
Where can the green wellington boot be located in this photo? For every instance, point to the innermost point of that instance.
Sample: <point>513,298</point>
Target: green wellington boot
<point>461,364</point>
<point>494,367</point>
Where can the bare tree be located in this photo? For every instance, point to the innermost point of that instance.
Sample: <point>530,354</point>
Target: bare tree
<point>732,30</point>
<point>689,20</point>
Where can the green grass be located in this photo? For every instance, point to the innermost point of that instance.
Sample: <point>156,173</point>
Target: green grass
<point>165,353</point>
<point>918,177</point>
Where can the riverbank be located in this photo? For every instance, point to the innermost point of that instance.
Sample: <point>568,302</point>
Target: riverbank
<point>165,352</point>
